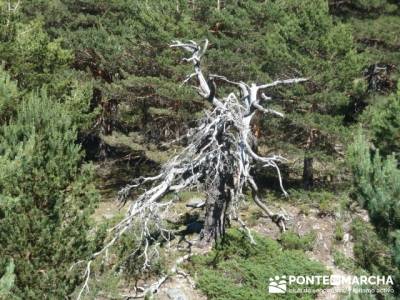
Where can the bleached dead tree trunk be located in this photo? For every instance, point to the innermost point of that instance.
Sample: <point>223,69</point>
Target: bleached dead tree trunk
<point>218,161</point>
<point>233,142</point>
<point>219,157</point>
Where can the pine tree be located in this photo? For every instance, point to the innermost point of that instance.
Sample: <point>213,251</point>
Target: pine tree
<point>376,183</point>
<point>46,198</point>
<point>383,120</point>
<point>9,95</point>
<point>29,54</point>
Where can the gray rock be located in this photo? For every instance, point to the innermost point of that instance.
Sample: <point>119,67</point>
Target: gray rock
<point>195,203</point>
<point>176,294</point>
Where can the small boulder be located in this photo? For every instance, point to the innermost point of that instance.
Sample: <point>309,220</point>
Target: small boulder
<point>176,294</point>
<point>195,203</point>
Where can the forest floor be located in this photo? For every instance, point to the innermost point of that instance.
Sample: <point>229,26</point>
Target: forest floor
<point>179,287</point>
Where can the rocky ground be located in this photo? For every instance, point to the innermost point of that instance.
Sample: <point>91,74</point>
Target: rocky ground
<point>181,287</point>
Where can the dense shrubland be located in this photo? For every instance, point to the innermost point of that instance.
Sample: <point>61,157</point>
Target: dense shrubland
<point>75,75</point>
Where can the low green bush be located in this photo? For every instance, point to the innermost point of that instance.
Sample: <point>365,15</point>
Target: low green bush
<point>372,253</point>
<point>343,262</point>
<point>339,231</point>
<point>325,201</point>
<point>237,270</point>
<point>292,240</point>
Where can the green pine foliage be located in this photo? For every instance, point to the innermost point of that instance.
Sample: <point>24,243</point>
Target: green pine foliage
<point>46,198</point>
<point>377,188</point>
<point>377,255</point>
<point>9,95</point>
<point>383,120</point>
<point>376,183</point>
<point>250,40</point>
<point>31,57</point>
<point>7,281</point>
<point>378,37</point>
<point>362,7</point>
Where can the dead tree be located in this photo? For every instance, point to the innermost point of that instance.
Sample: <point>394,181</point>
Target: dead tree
<point>219,157</point>
<point>218,161</point>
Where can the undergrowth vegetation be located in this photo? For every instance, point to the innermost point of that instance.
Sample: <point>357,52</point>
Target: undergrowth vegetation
<point>237,270</point>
